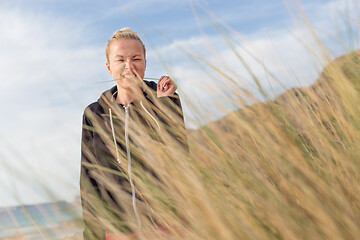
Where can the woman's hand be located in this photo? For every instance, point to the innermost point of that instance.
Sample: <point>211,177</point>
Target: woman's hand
<point>166,87</point>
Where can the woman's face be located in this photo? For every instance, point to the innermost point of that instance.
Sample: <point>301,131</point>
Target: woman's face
<point>127,62</point>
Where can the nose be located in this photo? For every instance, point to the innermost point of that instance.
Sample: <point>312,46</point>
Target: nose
<point>129,64</point>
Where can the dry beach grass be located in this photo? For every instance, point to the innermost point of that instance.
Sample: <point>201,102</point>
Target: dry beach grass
<point>285,168</point>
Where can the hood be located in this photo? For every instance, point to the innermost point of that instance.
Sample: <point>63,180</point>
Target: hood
<point>107,98</point>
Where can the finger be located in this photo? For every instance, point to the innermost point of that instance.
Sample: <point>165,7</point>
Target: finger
<point>171,84</point>
<point>171,90</point>
<point>159,86</point>
<point>163,84</point>
<point>167,82</point>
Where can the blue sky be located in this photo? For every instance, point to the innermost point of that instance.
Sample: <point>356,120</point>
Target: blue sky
<point>52,64</point>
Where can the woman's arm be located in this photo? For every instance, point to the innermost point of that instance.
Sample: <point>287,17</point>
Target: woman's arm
<point>171,107</point>
<point>89,189</point>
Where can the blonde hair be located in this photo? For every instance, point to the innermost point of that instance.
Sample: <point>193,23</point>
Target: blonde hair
<point>124,33</point>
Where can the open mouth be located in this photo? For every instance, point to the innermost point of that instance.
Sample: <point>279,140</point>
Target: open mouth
<point>129,76</point>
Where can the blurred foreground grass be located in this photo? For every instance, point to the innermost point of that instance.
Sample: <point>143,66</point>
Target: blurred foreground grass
<point>287,168</point>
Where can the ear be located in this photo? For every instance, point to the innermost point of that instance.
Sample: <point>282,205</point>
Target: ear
<point>108,67</point>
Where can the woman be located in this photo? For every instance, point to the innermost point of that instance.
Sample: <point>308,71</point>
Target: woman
<point>114,131</point>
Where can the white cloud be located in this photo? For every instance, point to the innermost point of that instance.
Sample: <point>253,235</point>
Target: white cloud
<point>44,68</point>
<point>48,74</point>
<point>292,55</point>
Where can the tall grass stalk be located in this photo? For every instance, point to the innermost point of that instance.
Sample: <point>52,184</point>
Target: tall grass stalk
<point>285,168</point>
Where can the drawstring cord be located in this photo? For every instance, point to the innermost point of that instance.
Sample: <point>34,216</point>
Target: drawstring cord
<point>150,114</point>
<point>113,133</point>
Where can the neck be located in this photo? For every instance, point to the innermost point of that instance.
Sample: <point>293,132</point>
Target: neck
<point>126,96</point>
